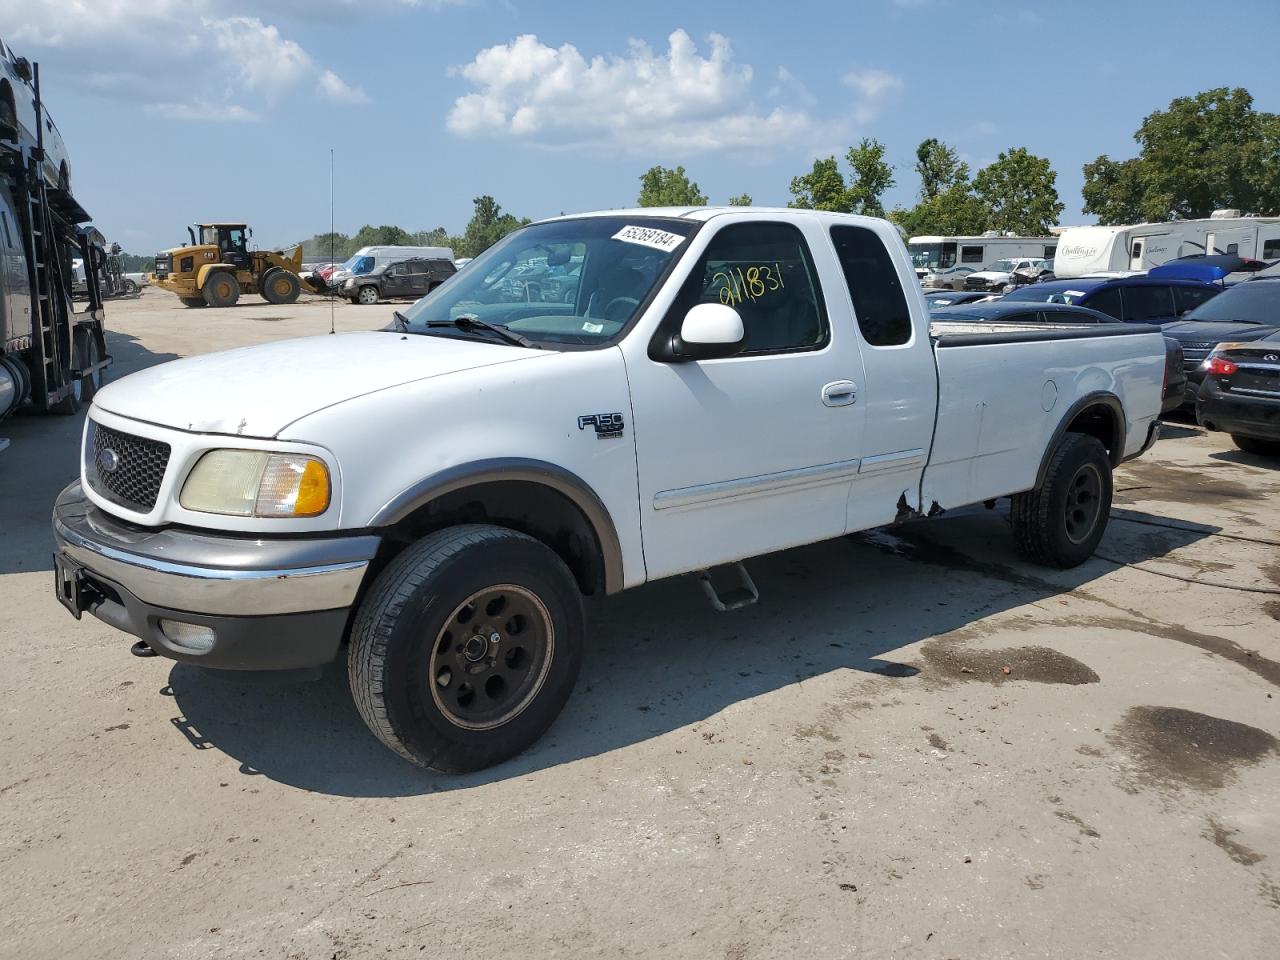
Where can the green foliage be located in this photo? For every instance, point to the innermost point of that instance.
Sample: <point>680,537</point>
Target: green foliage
<point>488,225</point>
<point>1020,191</point>
<point>741,200</point>
<point>824,187</point>
<point>134,263</point>
<point>871,177</point>
<point>1207,152</point>
<point>383,236</point>
<point>939,168</point>
<point>662,187</point>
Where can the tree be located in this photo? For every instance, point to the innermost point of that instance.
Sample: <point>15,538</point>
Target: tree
<point>1020,190</point>
<point>741,200</point>
<point>324,246</point>
<point>1204,153</point>
<point>439,237</point>
<point>661,187</point>
<point>383,236</point>
<point>871,177</point>
<point>939,167</point>
<point>487,226</point>
<point>822,188</point>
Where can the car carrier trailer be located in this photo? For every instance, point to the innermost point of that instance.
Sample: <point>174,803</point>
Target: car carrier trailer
<point>52,356</point>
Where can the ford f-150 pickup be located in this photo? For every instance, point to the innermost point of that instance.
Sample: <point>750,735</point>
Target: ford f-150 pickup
<point>439,495</point>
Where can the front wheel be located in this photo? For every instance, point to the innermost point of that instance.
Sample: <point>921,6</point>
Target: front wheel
<point>467,647</point>
<point>222,289</point>
<point>1061,523</point>
<point>280,286</point>
<point>368,296</point>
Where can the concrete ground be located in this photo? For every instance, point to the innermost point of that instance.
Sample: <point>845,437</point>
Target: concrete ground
<point>916,745</point>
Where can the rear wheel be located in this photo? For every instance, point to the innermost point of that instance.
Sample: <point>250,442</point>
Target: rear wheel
<point>467,647</point>
<point>280,286</point>
<point>1062,522</point>
<point>129,287</point>
<point>368,296</point>
<point>222,289</point>
<point>85,354</point>
<point>1264,448</point>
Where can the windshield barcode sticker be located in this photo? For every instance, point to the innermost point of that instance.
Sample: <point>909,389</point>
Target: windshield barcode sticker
<point>649,237</point>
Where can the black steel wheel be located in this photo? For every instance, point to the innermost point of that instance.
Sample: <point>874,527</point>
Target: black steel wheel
<point>1061,522</point>
<point>466,647</point>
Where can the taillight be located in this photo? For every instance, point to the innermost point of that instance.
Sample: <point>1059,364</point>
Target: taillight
<point>1219,366</point>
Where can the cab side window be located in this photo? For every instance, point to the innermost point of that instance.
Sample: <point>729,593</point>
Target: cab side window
<point>874,286</point>
<point>1107,301</point>
<point>1144,303</point>
<point>765,272</point>
<point>1188,298</point>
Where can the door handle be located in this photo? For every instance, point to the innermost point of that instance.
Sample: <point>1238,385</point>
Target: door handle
<point>840,393</point>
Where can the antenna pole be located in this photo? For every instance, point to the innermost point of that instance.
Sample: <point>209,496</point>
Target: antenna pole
<point>331,296</point>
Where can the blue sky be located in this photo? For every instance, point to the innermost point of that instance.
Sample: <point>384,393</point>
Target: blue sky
<point>182,110</point>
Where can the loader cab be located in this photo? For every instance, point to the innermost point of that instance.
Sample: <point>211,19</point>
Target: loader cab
<point>232,241</point>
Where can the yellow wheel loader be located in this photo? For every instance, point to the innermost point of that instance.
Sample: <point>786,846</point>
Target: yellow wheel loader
<point>217,266</point>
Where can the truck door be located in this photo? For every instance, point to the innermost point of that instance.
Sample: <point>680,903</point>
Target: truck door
<point>234,248</point>
<point>395,280</point>
<point>756,452</point>
<point>1135,253</point>
<point>900,385</point>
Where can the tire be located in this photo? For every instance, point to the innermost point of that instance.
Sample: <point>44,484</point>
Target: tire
<point>280,286</point>
<point>193,302</point>
<point>367,296</point>
<point>1264,448</point>
<point>83,350</point>
<point>129,287</point>
<point>1061,523</point>
<point>91,383</point>
<point>441,699</point>
<point>221,289</point>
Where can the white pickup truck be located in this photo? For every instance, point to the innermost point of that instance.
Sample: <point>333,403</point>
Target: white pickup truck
<point>440,495</point>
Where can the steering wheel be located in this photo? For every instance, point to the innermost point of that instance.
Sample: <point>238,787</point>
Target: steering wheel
<point>625,301</point>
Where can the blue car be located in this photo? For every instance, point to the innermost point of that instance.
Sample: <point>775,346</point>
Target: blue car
<point>1157,300</point>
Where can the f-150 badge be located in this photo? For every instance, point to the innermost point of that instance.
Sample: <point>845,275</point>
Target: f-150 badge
<point>607,425</point>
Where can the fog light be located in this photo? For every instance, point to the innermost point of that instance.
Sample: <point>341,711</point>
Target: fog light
<point>189,636</point>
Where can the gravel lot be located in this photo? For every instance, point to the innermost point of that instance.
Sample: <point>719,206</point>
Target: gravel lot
<point>846,769</point>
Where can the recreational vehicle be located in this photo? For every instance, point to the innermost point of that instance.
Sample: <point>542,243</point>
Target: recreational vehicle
<point>1089,251</point>
<point>946,261</point>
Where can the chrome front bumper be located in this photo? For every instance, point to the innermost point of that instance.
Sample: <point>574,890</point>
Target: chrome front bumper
<point>272,603</point>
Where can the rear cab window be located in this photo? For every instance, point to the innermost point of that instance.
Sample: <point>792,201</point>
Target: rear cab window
<point>1106,301</point>
<point>874,286</point>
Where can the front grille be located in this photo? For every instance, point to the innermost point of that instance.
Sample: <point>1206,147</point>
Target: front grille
<point>137,467</point>
<point>164,264</point>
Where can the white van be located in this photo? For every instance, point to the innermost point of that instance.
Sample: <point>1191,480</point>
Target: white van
<point>367,259</point>
<point>1136,248</point>
<point>945,261</point>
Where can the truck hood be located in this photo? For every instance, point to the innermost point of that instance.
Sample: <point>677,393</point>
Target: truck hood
<point>258,391</point>
<point>1215,331</point>
<point>990,275</point>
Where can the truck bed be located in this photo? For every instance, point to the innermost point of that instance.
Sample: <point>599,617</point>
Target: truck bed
<point>964,333</point>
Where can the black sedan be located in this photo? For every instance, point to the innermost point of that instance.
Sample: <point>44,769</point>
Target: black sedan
<point>1023,311</point>
<point>1243,313</point>
<point>953,298</point>
<point>1241,394</point>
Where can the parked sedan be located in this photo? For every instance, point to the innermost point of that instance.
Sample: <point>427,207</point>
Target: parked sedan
<point>1159,300</point>
<point>1009,310</point>
<point>1240,394</point>
<point>953,298</point>
<point>1243,313</point>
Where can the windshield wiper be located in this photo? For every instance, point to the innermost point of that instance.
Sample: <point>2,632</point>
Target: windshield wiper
<point>400,320</point>
<point>468,322</point>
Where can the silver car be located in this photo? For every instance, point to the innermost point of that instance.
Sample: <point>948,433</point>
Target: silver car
<point>18,109</point>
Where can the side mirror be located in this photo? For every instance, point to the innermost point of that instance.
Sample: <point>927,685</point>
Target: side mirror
<point>22,67</point>
<point>709,331</point>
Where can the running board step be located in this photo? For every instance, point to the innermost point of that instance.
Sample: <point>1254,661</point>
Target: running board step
<point>734,598</point>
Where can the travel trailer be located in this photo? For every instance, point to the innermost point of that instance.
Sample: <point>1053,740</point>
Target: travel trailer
<point>946,261</point>
<point>1089,251</point>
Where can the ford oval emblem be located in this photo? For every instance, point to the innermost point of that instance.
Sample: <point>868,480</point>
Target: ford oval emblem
<point>108,460</point>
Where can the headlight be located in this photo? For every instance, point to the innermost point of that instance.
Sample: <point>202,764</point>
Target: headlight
<point>253,483</point>
<point>349,283</point>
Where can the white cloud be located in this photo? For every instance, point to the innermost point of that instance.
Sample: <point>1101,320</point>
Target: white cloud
<point>873,88</point>
<point>150,51</point>
<point>679,99</point>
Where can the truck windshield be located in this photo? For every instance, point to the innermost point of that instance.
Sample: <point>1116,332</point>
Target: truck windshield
<point>358,265</point>
<point>578,281</point>
<point>1253,301</point>
<point>1003,266</point>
